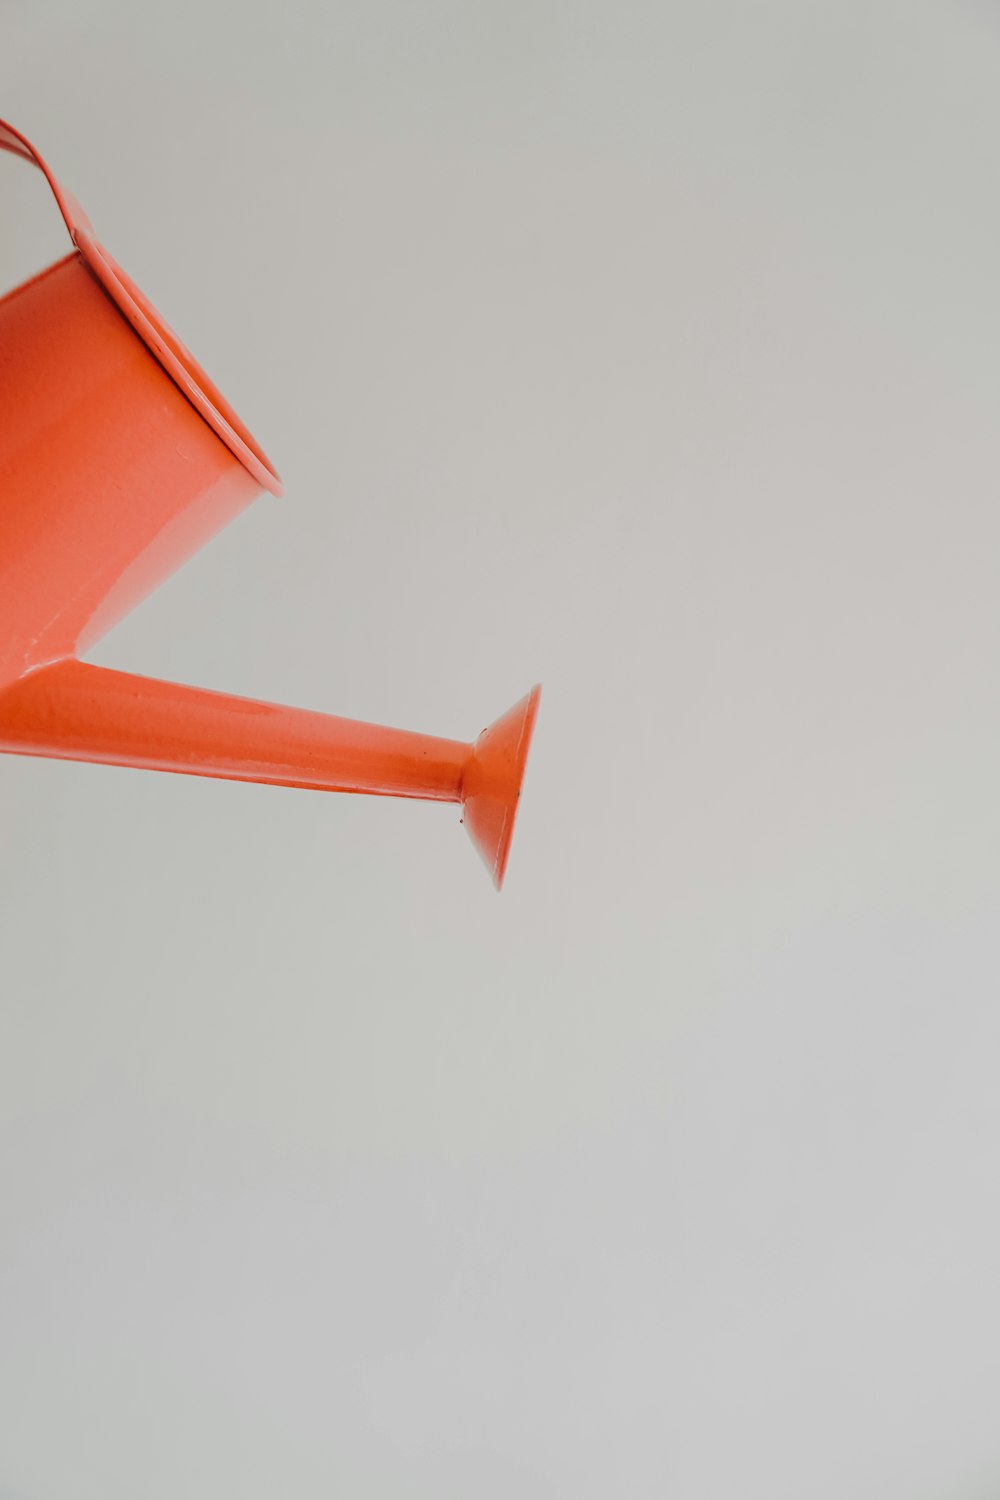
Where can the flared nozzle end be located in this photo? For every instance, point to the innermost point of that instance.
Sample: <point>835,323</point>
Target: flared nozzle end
<point>492,784</point>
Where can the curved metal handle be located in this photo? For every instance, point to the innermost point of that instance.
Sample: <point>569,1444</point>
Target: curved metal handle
<point>75,219</point>
<point>157,335</point>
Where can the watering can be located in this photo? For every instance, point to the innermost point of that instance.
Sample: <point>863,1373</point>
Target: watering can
<point>118,459</point>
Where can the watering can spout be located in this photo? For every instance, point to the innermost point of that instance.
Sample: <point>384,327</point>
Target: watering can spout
<point>76,711</point>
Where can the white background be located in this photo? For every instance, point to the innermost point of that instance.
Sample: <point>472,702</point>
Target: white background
<point>651,350</point>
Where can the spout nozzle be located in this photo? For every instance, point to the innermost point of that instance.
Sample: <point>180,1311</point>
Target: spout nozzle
<point>491,787</point>
<point>77,711</point>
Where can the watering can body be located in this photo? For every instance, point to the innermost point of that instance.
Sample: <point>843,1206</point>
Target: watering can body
<point>118,460</point>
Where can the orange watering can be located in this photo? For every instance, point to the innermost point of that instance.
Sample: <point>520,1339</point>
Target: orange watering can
<point>118,459</point>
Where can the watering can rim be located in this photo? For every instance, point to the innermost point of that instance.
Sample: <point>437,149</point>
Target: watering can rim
<point>155,332</point>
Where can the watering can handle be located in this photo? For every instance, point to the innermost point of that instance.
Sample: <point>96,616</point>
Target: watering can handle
<point>77,223</point>
<point>159,338</point>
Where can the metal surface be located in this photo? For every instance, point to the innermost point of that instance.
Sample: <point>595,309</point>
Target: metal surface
<point>118,460</point>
